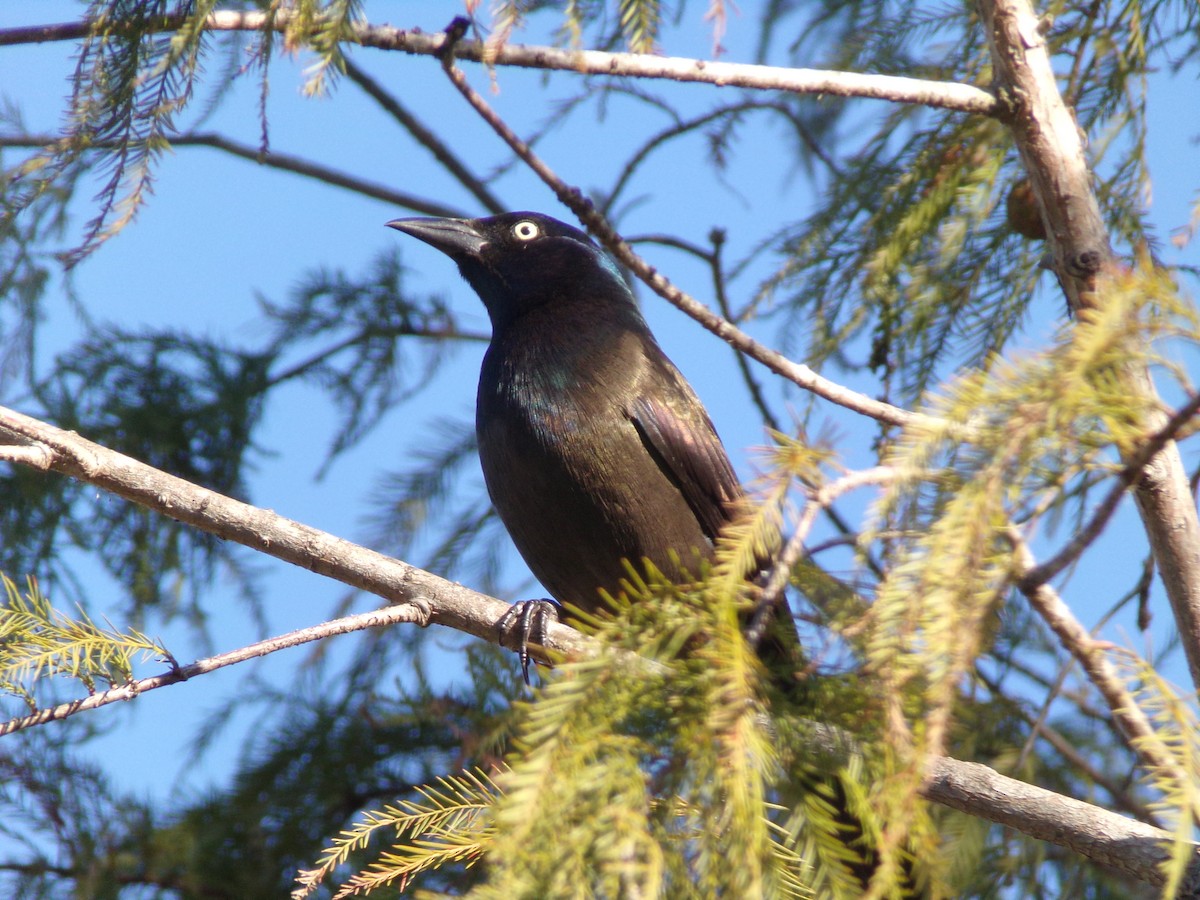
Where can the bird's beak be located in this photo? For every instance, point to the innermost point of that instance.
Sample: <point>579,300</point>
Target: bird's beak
<point>457,238</point>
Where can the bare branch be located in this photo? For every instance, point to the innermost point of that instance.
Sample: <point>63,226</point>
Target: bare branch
<point>678,128</point>
<point>1110,839</point>
<point>275,160</point>
<point>1100,516</point>
<point>1120,791</point>
<point>941,94</point>
<point>1135,727</point>
<point>449,604</point>
<point>34,455</point>
<point>441,151</point>
<point>1048,140</point>
<point>820,498</point>
<point>416,611</point>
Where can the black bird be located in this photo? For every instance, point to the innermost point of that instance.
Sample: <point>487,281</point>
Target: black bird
<point>594,448</point>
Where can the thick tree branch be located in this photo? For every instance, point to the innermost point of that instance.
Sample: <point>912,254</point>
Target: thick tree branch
<point>1118,842</point>
<point>942,94</point>
<point>1050,145</point>
<point>1168,510</point>
<point>1052,149</point>
<point>447,603</point>
<point>1110,839</point>
<point>1120,786</point>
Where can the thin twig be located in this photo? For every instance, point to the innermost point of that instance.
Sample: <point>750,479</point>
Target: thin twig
<point>441,151</point>
<point>288,163</point>
<point>717,238</point>
<point>680,128</point>
<point>1045,601</point>
<point>1127,477</point>
<point>781,568</point>
<point>274,160</point>
<point>416,611</point>
<point>319,357</point>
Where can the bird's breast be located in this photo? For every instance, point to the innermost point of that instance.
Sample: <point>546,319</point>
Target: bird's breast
<point>559,385</point>
<point>566,466</point>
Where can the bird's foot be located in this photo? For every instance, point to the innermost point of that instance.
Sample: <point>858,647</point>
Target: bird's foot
<point>532,617</point>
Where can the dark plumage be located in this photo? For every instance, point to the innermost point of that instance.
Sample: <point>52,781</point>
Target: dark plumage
<point>594,447</point>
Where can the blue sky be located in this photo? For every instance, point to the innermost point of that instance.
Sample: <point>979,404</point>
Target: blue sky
<point>219,231</point>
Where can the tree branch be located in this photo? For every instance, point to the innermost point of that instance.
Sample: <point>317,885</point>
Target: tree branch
<point>764,77</point>
<point>448,604</point>
<point>820,497</point>
<point>414,611</point>
<point>1110,839</point>
<point>1129,475</point>
<point>1051,147</point>
<point>940,94</point>
<point>1039,729</point>
<point>275,160</point>
<point>1045,601</point>
<point>441,151</point>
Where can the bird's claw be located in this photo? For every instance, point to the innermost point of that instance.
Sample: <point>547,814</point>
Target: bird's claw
<point>533,617</point>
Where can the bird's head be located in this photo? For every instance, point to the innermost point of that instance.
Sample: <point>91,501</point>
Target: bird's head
<point>521,260</point>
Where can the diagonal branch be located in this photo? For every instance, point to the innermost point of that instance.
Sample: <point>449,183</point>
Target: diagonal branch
<point>1135,726</point>
<point>441,151</point>
<point>599,226</point>
<point>449,604</point>
<point>1129,475</point>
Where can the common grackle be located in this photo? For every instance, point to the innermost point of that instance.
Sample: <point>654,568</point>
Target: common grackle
<point>594,448</point>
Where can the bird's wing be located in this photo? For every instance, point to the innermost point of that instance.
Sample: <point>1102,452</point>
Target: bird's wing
<point>679,434</point>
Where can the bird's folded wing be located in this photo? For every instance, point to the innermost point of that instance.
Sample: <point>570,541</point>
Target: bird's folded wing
<point>687,447</point>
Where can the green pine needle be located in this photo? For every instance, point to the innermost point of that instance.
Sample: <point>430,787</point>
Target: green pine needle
<point>37,641</point>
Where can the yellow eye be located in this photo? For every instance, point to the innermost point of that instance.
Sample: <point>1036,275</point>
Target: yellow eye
<point>525,230</point>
